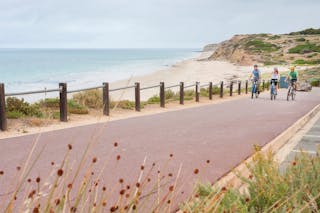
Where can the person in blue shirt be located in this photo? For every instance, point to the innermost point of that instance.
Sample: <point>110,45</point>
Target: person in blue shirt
<point>256,76</point>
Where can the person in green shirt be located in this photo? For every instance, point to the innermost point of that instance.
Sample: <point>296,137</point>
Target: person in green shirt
<point>293,77</point>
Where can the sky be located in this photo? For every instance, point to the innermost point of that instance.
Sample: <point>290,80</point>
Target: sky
<point>146,23</point>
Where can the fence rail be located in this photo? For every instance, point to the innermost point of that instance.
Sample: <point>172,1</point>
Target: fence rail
<point>106,95</point>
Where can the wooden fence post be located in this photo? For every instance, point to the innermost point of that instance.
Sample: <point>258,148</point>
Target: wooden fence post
<point>239,88</point>
<point>246,86</point>
<point>181,93</point>
<point>106,99</point>
<point>137,96</point>
<point>197,91</point>
<point>63,102</point>
<point>162,95</point>
<point>263,85</point>
<point>231,88</point>
<point>210,90</point>
<point>3,118</point>
<point>221,89</point>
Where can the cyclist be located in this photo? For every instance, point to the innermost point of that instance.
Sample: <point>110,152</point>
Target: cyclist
<point>293,77</point>
<point>275,78</point>
<point>256,76</point>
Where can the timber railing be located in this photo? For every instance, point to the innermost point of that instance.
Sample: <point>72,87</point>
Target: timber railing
<point>62,89</point>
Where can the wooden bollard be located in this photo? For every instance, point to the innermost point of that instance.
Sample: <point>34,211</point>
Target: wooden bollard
<point>106,99</point>
<point>181,93</point>
<point>263,85</point>
<point>63,102</point>
<point>3,118</point>
<point>210,90</point>
<point>221,89</point>
<point>137,97</point>
<point>231,88</point>
<point>162,95</point>
<point>246,86</point>
<point>239,88</point>
<point>197,91</point>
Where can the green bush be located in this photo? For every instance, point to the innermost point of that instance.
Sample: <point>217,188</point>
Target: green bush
<point>315,82</point>
<point>309,31</point>
<point>50,103</point>
<point>76,108</point>
<point>154,99</point>
<point>259,45</point>
<point>17,105</point>
<point>275,37</point>
<point>125,104</point>
<point>305,48</point>
<point>169,94</point>
<point>14,115</point>
<point>311,62</point>
<point>300,39</point>
<point>90,98</point>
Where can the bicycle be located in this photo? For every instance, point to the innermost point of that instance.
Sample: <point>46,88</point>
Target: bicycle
<point>254,91</point>
<point>273,91</point>
<point>291,91</point>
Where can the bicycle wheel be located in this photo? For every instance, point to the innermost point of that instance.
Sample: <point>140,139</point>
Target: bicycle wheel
<point>293,95</point>
<point>288,95</point>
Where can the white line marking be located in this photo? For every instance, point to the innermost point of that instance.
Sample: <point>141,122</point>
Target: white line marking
<point>312,136</point>
<point>304,151</point>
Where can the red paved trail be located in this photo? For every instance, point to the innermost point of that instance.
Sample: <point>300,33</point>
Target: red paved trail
<point>223,133</point>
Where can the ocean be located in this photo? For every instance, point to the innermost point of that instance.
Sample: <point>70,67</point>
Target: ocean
<point>36,69</point>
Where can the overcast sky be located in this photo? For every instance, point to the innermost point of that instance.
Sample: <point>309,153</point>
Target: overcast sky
<point>147,23</point>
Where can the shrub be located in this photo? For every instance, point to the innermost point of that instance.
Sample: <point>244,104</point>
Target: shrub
<point>275,37</point>
<point>90,98</point>
<point>315,82</point>
<point>311,62</point>
<point>309,31</point>
<point>305,48</point>
<point>301,39</point>
<point>50,103</point>
<point>76,108</point>
<point>169,94</point>
<point>154,99</point>
<point>259,45</point>
<point>124,104</point>
<point>20,106</point>
<point>14,115</point>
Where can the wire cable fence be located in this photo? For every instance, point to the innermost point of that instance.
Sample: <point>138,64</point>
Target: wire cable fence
<point>219,89</point>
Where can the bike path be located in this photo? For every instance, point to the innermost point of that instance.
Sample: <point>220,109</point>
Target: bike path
<point>223,133</point>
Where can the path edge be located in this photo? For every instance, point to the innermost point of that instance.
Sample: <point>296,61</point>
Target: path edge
<point>231,178</point>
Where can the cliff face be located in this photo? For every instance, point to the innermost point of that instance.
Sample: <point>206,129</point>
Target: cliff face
<point>269,49</point>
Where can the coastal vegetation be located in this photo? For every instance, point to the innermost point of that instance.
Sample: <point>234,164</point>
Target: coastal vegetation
<point>297,189</point>
<point>268,49</point>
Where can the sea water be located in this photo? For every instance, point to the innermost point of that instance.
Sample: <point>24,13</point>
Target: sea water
<point>36,69</point>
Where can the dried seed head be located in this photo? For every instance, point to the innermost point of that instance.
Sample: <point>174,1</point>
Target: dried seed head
<point>104,188</point>
<point>69,146</point>
<point>121,180</point>
<point>122,191</point>
<point>128,187</point>
<point>127,195</point>
<point>57,201</point>
<point>60,172</point>
<point>73,209</point>
<point>208,161</point>
<point>153,164</point>
<point>104,203</point>
<point>171,188</point>
<point>115,144</point>
<point>113,209</point>
<point>36,210</point>
<point>1,172</point>
<point>118,157</point>
<point>250,176</point>
<point>29,180</point>
<point>294,163</point>
<point>18,168</point>
<point>52,163</point>
<point>224,189</point>
<point>171,155</point>
<point>137,184</point>
<point>169,201</point>
<point>94,160</point>
<point>247,199</point>
<point>148,179</point>
<point>142,167</point>
<point>134,207</point>
<point>38,179</point>
<point>196,171</point>
<point>170,174</point>
<point>92,173</point>
<point>70,186</point>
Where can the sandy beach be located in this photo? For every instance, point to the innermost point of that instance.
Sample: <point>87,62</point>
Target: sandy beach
<point>188,71</point>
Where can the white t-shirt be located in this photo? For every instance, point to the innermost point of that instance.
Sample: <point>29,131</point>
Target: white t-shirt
<point>275,76</point>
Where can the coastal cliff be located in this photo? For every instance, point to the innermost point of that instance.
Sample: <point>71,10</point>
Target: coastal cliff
<point>302,47</point>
